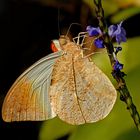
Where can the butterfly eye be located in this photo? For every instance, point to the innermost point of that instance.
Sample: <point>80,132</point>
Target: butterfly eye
<point>53,47</point>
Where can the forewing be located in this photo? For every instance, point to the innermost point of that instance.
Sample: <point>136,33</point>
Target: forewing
<point>28,97</point>
<point>81,92</point>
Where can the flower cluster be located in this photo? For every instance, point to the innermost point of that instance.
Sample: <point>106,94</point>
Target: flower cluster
<point>92,31</point>
<point>116,32</point>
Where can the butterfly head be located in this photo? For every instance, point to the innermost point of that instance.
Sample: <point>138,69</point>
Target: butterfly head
<point>58,45</point>
<point>65,44</point>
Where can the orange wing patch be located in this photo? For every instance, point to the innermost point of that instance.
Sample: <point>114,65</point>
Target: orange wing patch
<point>22,103</point>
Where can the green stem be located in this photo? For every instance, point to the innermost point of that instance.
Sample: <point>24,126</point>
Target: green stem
<point>122,88</point>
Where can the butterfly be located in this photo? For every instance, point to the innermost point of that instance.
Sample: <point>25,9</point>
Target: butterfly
<point>63,84</point>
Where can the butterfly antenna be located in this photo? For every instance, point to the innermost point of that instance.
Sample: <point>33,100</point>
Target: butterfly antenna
<point>58,24</point>
<point>71,26</point>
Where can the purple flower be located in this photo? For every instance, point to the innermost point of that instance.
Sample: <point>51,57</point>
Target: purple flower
<point>118,32</point>
<point>98,43</point>
<point>118,66</point>
<point>93,31</point>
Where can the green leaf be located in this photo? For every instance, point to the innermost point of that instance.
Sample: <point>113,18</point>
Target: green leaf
<point>109,6</point>
<point>124,14</point>
<point>132,56</point>
<point>54,129</point>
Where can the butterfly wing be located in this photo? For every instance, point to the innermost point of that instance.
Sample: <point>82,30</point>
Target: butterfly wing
<point>84,94</point>
<point>95,92</point>
<point>28,97</point>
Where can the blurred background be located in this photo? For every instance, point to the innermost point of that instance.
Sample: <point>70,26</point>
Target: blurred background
<point>26,30</point>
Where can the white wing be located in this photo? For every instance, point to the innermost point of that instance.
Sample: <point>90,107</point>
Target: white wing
<point>28,98</point>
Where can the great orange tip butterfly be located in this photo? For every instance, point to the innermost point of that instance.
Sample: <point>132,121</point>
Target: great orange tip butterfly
<point>62,84</point>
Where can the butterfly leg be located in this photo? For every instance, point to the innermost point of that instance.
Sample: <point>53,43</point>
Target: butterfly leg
<point>76,39</point>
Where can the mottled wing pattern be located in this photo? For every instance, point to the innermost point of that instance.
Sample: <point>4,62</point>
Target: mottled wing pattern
<point>80,91</point>
<point>62,92</point>
<point>96,94</point>
<point>28,98</point>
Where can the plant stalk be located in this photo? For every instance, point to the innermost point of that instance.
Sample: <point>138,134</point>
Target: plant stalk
<point>118,76</point>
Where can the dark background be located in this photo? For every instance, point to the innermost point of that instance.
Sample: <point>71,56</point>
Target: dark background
<point>26,30</point>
